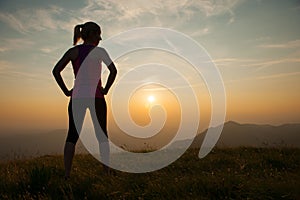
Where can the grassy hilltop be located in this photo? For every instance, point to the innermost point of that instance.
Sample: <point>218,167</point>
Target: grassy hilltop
<point>238,173</point>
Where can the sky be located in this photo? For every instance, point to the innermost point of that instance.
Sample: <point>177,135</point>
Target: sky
<point>255,44</point>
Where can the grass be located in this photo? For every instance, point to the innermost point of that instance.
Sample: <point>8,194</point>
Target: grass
<point>239,173</point>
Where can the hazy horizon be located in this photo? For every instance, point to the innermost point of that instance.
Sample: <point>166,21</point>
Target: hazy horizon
<point>33,144</point>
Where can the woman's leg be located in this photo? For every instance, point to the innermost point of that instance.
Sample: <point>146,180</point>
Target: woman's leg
<point>72,138</point>
<point>101,132</point>
<point>69,152</point>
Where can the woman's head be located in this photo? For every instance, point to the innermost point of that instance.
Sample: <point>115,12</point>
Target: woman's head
<point>89,32</point>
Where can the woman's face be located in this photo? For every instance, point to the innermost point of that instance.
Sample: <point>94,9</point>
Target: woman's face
<point>97,38</point>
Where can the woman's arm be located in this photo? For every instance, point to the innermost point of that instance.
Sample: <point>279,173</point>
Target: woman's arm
<point>61,64</point>
<point>112,75</point>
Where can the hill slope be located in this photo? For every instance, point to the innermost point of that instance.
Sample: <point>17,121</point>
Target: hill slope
<point>242,173</point>
<point>251,135</point>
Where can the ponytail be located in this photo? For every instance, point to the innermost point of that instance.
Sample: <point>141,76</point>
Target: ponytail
<point>83,31</point>
<point>77,33</point>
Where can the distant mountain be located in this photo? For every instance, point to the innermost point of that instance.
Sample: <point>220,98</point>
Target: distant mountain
<point>17,145</point>
<point>235,134</point>
<point>34,144</point>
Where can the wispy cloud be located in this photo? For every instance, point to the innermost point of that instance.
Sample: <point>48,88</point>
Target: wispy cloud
<point>28,19</point>
<point>15,44</point>
<point>259,39</point>
<point>263,77</point>
<point>252,68</point>
<point>132,9</point>
<point>210,8</point>
<point>280,75</point>
<point>219,7</point>
<point>50,49</point>
<point>4,65</point>
<point>200,32</point>
<point>268,63</point>
<point>2,49</point>
<point>235,62</point>
<point>137,13</point>
<point>286,45</point>
<point>18,71</point>
<point>256,64</point>
<point>13,22</point>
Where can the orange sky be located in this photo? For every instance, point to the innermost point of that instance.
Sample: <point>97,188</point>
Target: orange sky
<point>258,59</point>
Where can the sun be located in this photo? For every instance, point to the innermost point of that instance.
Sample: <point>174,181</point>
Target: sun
<point>151,98</point>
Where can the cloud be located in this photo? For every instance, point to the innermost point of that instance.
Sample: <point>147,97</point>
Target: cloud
<point>2,49</point>
<point>256,64</point>
<point>280,75</point>
<point>20,71</point>
<point>268,63</point>
<point>287,45</point>
<point>259,39</point>
<point>13,22</point>
<point>48,50</point>
<point>235,62</point>
<point>15,44</point>
<point>4,65</point>
<point>265,77</point>
<point>121,13</point>
<point>28,20</point>
<point>200,32</point>
<point>126,10</point>
<point>211,8</point>
<point>187,16</point>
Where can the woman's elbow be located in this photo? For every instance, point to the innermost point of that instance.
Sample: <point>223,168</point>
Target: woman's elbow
<point>115,71</point>
<point>55,72</point>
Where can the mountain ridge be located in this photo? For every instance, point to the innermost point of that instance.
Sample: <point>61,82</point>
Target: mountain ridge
<point>234,134</point>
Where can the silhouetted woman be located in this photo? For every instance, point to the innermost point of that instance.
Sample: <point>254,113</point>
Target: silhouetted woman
<point>90,33</point>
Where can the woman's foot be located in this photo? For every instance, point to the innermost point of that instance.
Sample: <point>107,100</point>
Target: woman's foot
<point>69,152</point>
<point>109,171</point>
<point>67,178</point>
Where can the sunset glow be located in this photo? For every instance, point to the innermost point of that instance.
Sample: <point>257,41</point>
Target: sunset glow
<point>258,60</point>
<point>151,99</point>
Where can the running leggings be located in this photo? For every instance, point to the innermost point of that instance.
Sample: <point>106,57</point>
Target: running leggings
<point>98,117</point>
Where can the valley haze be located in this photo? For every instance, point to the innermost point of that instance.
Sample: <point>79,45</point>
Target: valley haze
<point>18,146</point>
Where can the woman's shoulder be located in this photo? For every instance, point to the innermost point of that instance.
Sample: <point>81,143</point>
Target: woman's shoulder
<point>73,52</point>
<point>75,48</point>
<point>100,50</point>
<point>102,54</point>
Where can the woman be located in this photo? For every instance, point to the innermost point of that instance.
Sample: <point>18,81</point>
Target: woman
<point>90,33</point>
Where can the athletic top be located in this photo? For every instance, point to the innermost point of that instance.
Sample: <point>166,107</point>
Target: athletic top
<point>83,89</point>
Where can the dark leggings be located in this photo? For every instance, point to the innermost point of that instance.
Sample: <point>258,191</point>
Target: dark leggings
<point>101,112</point>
